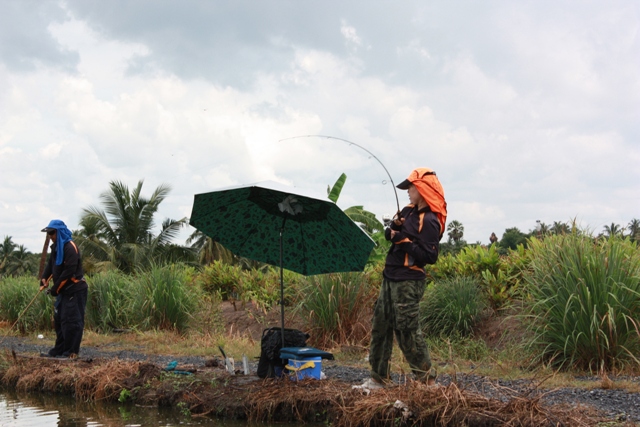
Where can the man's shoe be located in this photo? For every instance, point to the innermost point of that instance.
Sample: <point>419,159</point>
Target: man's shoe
<point>45,355</point>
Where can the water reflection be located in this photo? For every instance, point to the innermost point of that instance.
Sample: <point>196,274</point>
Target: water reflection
<point>44,410</point>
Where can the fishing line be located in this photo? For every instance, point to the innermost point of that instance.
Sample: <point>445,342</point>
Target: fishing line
<point>359,146</point>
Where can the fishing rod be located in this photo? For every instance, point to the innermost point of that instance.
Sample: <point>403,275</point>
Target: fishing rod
<point>359,146</point>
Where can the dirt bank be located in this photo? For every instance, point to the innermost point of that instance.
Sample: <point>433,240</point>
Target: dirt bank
<point>210,391</point>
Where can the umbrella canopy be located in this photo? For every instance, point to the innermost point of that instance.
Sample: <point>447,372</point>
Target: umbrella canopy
<point>278,225</point>
<point>253,220</point>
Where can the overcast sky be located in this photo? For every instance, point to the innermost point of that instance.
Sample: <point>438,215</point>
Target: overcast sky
<point>526,110</point>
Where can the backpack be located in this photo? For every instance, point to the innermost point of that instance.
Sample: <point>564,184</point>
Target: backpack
<point>270,364</point>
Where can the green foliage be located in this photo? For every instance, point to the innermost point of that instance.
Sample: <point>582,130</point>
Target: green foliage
<point>446,267</point>
<point>124,395</point>
<point>379,252</point>
<point>15,295</point>
<point>122,236</point>
<point>476,259</point>
<point>455,231</point>
<point>109,301</point>
<point>511,238</point>
<point>336,307</point>
<point>634,229</point>
<point>358,214</point>
<point>262,287</point>
<point>452,307</point>
<point>584,301</point>
<point>333,193</point>
<point>166,299</point>
<point>16,260</point>
<point>221,278</point>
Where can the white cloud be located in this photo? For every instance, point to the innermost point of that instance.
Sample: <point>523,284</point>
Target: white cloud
<point>525,111</point>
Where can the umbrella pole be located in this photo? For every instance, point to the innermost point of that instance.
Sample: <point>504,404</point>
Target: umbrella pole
<point>282,286</point>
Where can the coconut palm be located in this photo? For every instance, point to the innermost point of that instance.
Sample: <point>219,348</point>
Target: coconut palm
<point>613,230</point>
<point>20,262</point>
<point>208,249</point>
<point>634,229</point>
<point>122,235</point>
<point>6,249</point>
<point>560,228</point>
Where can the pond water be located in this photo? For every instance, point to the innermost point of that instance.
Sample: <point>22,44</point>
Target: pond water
<point>45,410</point>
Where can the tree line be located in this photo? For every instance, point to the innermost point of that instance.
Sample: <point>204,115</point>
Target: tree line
<point>120,235</point>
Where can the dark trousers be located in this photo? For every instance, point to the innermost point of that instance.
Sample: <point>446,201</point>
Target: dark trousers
<point>68,319</point>
<point>397,313</point>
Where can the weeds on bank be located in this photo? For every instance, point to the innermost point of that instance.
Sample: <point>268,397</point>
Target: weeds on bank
<point>337,308</point>
<point>584,301</point>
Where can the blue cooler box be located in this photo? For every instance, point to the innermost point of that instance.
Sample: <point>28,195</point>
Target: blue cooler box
<point>307,367</point>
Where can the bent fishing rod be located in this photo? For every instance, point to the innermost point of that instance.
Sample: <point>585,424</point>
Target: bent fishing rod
<point>359,146</point>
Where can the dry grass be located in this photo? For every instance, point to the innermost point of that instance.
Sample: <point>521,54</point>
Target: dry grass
<point>89,381</point>
<point>410,404</point>
<point>215,392</point>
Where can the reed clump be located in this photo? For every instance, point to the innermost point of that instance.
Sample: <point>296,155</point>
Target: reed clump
<point>583,299</point>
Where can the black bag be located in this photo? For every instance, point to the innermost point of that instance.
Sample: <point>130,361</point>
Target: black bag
<point>270,346</point>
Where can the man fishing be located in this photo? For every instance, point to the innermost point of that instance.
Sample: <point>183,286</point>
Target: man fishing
<point>64,268</point>
<point>415,234</point>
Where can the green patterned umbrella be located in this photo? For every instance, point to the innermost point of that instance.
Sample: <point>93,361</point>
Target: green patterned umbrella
<point>278,225</point>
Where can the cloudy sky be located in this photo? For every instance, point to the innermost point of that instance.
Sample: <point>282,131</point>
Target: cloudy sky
<point>527,110</point>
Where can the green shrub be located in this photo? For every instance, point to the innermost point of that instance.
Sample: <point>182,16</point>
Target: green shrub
<point>262,287</point>
<point>452,307</point>
<point>584,301</point>
<point>337,307</point>
<point>16,293</point>
<point>221,278</point>
<point>447,266</point>
<point>165,299</point>
<point>110,299</point>
<point>474,260</point>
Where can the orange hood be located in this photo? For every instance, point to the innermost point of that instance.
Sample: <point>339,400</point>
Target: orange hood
<point>431,190</point>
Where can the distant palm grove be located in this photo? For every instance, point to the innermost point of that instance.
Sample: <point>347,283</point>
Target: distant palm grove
<point>120,235</point>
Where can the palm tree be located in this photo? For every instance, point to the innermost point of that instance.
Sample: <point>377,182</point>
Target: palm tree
<point>20,262</point>
<point>122,236</point>
<point>560,228</point>
<point>455,231</point>
<point>6,251</point>
<point>208,249</point>
<point>613,230</point>
<point>634,229</point>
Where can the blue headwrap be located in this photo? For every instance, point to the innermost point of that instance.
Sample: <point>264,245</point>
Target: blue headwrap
<point>64,236</point>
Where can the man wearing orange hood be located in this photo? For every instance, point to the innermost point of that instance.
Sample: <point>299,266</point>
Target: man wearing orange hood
<point>415,234</point>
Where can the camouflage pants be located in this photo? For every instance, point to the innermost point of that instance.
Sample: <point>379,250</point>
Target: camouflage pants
<point>397,312</point>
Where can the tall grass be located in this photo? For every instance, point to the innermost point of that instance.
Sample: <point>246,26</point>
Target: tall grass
<point>337,307</point>
<point>15,295</point>
<point>110,297</point>
<point>452,307</point>
<point>165,299</point>
<point>584,301</point>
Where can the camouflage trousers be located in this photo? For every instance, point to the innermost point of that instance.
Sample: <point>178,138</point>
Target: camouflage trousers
<point>397,312</point>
